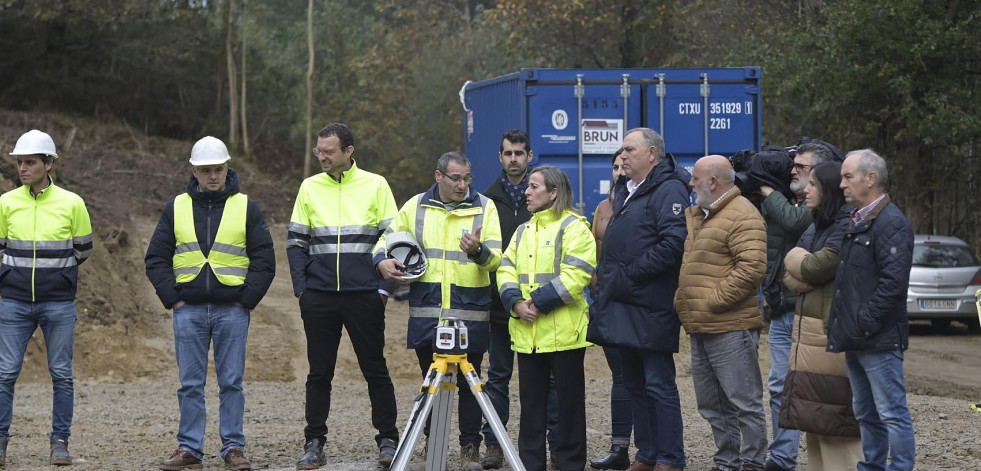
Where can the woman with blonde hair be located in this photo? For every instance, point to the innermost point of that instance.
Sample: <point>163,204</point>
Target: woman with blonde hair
<point>542,279</point>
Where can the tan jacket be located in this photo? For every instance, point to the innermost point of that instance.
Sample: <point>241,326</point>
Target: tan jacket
<point>723,266</point>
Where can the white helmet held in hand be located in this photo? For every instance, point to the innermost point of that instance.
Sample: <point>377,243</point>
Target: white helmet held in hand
<point>209,151</point>
<point>35,142</point>
<point>402,246</point>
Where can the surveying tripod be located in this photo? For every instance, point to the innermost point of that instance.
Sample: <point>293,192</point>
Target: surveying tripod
<point>437,394</point>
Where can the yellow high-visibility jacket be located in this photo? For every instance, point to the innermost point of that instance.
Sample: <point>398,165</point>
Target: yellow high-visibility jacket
<point>43,239</point>
<point>334,226</point>
<point>454,285</point>
<point>550,260</point>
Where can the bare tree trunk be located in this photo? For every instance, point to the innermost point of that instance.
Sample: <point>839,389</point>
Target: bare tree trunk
<point>245,121</point>
<point>232,80</point>
<point>306,151</point>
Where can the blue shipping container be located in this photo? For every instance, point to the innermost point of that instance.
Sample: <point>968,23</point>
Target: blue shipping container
<point>576,118</point>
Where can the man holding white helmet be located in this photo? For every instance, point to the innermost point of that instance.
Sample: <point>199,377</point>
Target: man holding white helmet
<point>459,231</point>
<point>211,260</point>
<point>45,233</point>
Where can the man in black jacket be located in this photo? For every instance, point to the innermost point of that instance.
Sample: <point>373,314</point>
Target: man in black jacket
<point>636,281</point>
<point>868,318</point>
<point>211,260</point>
<point>508,194</point>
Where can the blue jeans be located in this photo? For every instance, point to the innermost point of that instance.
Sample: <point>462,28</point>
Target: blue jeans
<point>18,321</point>
<point>879,400</point>
<point>195,327</point>
<point>729,393</point>
<point>620,413</point>
<point>655,406</point>
<point>500,367</point>
<point>783,449</point>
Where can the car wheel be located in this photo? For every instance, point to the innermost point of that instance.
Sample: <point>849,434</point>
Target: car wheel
<point>940,324</point>
<point>974,326</point>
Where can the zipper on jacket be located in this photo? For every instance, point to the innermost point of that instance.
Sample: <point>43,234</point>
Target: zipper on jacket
<point>337,254</point>
<point>34,250</point>
<point>207,279</point>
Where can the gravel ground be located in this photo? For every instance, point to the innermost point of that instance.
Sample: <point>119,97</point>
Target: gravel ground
<point>133,426</point>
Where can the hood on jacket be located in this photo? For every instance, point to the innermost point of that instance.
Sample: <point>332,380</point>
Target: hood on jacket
<point>231,187</point>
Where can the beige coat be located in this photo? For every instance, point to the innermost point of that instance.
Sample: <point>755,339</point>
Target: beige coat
<point>722,268</point>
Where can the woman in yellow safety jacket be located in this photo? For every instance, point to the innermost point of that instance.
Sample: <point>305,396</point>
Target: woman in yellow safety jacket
<point>542,276</point>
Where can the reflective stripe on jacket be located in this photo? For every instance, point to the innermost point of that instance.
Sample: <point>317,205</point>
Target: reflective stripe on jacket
<point>550,260</point>
<point>43,239</point>
<point>454,285</point>
<point>334,226</point>
<point>227,258</point>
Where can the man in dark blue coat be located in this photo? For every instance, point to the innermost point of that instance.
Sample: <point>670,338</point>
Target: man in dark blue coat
<point>211,260</point>
<point>868,313</point>
<point>634,306</point>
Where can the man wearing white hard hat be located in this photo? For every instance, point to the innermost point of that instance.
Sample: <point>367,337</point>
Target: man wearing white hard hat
<point>211,260</point>
<point>45,234</point>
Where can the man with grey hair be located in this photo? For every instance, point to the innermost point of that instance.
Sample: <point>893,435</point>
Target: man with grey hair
<point>460,233</point>
<point>636,279</point>
<point>785,220</point>
<point>868,318</point>
<point>723,265</point>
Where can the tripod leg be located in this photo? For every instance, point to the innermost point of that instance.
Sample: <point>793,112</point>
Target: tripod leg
<point>491,415</point>
<point>441,412</point>
<point>417,419</point>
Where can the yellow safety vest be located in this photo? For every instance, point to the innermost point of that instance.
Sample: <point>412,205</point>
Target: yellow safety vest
<point>227,258</point>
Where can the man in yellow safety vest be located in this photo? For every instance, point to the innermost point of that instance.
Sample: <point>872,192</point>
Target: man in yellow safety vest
<point>211,260</point>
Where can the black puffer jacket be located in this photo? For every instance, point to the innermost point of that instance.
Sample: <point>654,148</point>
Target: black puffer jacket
<point>208,207</point>
<point>868,309</point>
<point>638,274</point>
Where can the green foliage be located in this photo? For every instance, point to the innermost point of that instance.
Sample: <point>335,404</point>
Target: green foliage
<point>900,76</point>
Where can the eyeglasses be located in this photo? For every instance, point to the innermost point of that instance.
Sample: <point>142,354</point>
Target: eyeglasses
<point>801,168</point>
<point>457,178</point>
<point>318,152</point>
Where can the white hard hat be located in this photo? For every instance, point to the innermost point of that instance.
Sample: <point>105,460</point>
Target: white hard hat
<point>403,247</point>
<point>209,151</point>
<point>35,142</point>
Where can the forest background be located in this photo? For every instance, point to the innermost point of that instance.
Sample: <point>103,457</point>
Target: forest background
<point>899,76</point>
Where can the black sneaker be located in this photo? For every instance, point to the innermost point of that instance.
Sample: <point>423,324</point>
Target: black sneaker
<point>386,452</point>
<point>313,455</point>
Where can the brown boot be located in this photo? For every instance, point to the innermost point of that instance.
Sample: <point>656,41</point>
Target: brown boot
<point>235,459</point>
<point>181,459</point>
<point>493,457</point>
<point>638,465</point>
<point>470,457</point>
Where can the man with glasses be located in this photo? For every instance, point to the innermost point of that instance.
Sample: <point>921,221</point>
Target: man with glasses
<point>337,218</point>
<point>785,222</point>
<point>460,233</point>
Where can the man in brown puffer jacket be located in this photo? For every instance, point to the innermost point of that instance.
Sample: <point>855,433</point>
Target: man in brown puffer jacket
<point>723,265</point>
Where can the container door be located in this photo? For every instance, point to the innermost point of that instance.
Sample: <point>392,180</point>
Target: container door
<point>557,128</point>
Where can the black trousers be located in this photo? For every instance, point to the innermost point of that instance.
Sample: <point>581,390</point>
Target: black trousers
<point>534,370</point>
<point>470,417</point>
<point>362,313</point>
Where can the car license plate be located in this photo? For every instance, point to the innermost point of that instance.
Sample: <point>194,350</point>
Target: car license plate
<point>938,304</point>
